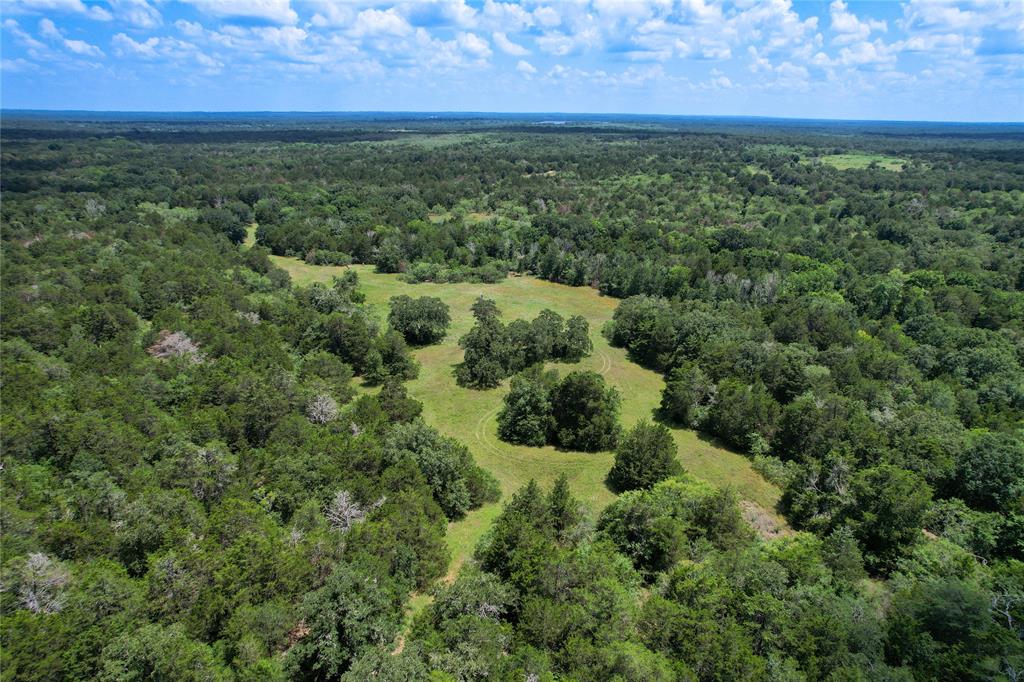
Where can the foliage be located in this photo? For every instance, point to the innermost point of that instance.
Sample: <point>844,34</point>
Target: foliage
<point>179,420</point>
<point>458,484</point>
<point>645,455</point>
<point>494,351</point>
<point>585,412</point>
<point>421,321</point>
<point>526,416</point>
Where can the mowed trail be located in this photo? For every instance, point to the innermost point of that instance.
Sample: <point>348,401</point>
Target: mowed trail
<point>470,415</point>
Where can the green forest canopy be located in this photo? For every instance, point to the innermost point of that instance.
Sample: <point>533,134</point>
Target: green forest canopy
<point>194,486</point>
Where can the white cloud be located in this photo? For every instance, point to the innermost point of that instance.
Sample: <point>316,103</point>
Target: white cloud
<point>474,45</point>
<point>630,10</point>
<point>783,76</point>
<point>124,46</point>
<point>83,48</point>
<point>166,48</point>
<point>944,16</point>
<point>23,36</point>
<point>719,81</point>
<point>271,11</point>
<point>18,65</point>
<point>331,14</point>
<point>848,28</point>
<point>49,30</point>
<point>507,46</point>
<point>547,16</point>
<point>633,76</point>
<point>700,12</point>
<point>952,44</point>
<point>716,50</point>
<point>287,39</point>
<point>373,22</point>
<point>137,13</point>
<point>506,16</point>
<point>92,11</point>
<point>189,28</point>
<point>563,44</point>
<point>525,67</point>
<point>867,54</point>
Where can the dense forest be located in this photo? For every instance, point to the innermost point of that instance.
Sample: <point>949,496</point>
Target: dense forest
<point>211,472</point>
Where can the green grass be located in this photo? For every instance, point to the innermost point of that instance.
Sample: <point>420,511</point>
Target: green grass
<point>428,141</point>
<point>860,161</point>
<point>470,415</point>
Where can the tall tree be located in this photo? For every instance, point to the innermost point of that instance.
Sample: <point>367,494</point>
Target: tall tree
<point>645,455</point>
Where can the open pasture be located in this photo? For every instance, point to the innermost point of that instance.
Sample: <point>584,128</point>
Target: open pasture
<point>471,415</point>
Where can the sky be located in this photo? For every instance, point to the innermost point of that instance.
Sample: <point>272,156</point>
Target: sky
<point>932,60</point>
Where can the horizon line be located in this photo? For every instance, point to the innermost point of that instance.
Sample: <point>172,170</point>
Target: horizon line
<point>453,113</point>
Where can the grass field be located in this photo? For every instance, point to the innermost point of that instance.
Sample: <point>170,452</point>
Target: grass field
<point>859,161</point>
<point>470,415</point>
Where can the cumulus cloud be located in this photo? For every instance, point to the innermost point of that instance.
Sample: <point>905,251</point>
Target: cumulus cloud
<point>374,22</point>
<point>49,30</point>
<point>136,13</point>
<point>848,27</point>
<point>270,11</point>
<point>189,28</point>
<point>125,45</point>
<point>719,79</point>
<point>474,45</point>
<point>327,13</point>
<point>507,46</point>
<point>755,45</point>
<point>547,16</point>
<point>865,53</point>
<point>80,47</point>
<point>34,46</point>
<point>91,11</point>
<point>506,16</point>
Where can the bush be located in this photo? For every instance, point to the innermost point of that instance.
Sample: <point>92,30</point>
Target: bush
<point>645,455</point>
<point>585,413</point>
<point>324,257</point>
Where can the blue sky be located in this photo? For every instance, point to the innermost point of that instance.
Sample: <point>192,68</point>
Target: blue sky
<point>915,60</point>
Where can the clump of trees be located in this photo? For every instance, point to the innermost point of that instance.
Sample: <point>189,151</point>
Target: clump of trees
<point>421,321</point>
<point>577,412</point>
<point>458,484</point>
<point>494,351</point>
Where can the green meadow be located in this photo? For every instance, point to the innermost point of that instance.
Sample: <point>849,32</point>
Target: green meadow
<point>471,415</point>
<point>860,161</point>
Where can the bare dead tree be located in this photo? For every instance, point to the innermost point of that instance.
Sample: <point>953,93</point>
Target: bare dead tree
<point>42,584</point>
<point>322,409</point>
<point>176,345</point>
<point>343,512</point>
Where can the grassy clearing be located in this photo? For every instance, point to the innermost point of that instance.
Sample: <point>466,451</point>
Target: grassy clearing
<point>470,415</point>
<point>474,217</point>
<point>861,161</point>
<point>428,141</point>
